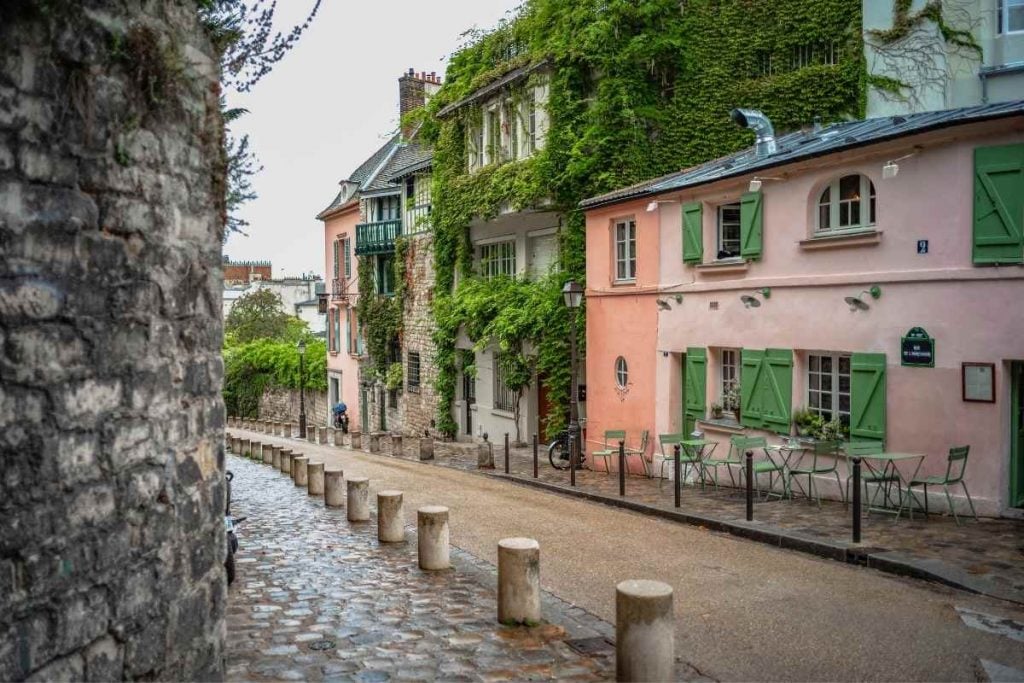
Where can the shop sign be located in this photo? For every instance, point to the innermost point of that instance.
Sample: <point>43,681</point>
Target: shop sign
<point>917,349</point>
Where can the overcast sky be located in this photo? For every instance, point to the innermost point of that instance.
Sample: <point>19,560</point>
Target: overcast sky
<point>329,104</point>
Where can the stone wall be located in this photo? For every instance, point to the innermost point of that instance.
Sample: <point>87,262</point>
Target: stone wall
<point>111,418</point>
<point>419,408</point>
<point>282,405</point>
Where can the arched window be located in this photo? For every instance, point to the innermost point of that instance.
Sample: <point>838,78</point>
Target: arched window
<point>847,203</point>
<point>621,372</point>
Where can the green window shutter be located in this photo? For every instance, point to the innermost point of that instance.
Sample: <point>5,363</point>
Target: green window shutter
<point>775,391</point>
<point>696,384</point>
<point>693,232</point>
<point>751,369</point>
<point>867,396</point>
<point>999,204</point>
<point>345,244</point>
<point>348,332</point>
<point>336,262</point>
<point>751,220</point>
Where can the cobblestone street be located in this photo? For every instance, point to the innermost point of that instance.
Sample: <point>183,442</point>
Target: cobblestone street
<point>318,598</point>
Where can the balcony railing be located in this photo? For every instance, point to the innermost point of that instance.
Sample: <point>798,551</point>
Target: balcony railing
<point>377,238</point>
<point>339,289</point>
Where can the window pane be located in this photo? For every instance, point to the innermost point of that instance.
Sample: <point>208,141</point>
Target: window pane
<point>826,401</point>
<point>849,187</point>
<point>854,213</point>
<point>844,383</point>
<point>826,364</point>
<point>844,365</point>
<point>815,382</point>
<point>813,363</point>
<point>813,399</point>
<point>826,382</point>
<point>844,403</point>
<point>1015,17</point>
<point>824,217</point>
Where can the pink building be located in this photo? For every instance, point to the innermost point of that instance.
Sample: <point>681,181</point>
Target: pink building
<point>809,270</point>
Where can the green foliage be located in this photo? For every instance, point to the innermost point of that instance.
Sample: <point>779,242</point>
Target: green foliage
<point>904,22</point>
<point>252,367</point>
<point>637,89</point>
<point>258,315</point>
<point>393,377</point>
<point>379,315</point>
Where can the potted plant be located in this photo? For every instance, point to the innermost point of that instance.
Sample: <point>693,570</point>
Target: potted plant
<point>716,411</point>
<point>805,421</point>
<point>833,430</point>
<point>731,399</point>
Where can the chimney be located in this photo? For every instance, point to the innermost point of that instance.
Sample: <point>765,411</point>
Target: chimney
<point>414,89</point>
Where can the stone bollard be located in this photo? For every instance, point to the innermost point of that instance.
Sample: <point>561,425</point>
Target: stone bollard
<point>268,453</point>
<point>485,455</point>
<point>275,456</point>
<point>357,440</point>
<point>426,448</point>
<point>375,443</point>
<point>243,448</point>
<point>334,488</point>
<point>339,437</point>
<point>315,477</point>
<point>286,462</point>
<point>432,537</point>
<point>256,450</point>
<point>518,581</point>
<point>300,470</point>
<point>358,502</point>
<point>644,631</point>
<point>279,428</point>
<point>322,436</point>
<point>390,517</point>
<point>236,445</point>
<point>396,444</point>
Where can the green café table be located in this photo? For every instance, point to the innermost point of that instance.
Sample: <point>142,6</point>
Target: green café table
<point>888,464</point>
<point>780,456</point>
<point>696,449</point>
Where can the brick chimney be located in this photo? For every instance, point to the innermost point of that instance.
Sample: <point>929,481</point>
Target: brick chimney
<point>414,89</point>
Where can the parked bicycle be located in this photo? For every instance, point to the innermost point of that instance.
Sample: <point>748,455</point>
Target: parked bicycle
<point>558,452</point>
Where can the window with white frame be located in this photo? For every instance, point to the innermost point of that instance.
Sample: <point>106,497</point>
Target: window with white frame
<point>728,231</point>
<point>475,135</point>
<point>493,148</point>
<point>531,123</point>
<point>625,249</point>
<point>729,374</point>
<point>847,203</point>
<point>498,258</point>
<point>346,252</point>
<point>1009,16</point>
<point>828,386</point>
<point>509,130</point>
<point>621,372</point>
<point>504,398</point>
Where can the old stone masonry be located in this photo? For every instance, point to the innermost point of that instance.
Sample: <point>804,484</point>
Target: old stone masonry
<point>318,598</point>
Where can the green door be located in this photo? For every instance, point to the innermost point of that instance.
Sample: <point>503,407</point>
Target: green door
<point>1017,434</point>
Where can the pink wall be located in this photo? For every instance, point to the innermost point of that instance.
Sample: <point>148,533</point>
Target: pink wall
<point>974,313</point>
<point>340,224</point>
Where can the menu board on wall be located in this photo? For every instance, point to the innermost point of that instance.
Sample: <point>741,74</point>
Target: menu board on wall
<point>979,382</point>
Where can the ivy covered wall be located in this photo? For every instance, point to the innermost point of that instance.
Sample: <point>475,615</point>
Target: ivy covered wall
<point>637,89</point>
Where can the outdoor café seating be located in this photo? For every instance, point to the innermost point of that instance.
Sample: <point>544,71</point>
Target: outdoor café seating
<point>956,466</point>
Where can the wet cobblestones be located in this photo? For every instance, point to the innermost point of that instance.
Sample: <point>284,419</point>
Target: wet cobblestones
<point>318,598</point>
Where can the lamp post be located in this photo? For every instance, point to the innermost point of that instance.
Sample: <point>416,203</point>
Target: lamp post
<point>572,292</point>
<point>302,388</point>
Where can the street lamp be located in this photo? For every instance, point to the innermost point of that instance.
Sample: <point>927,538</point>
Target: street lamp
<point>302,388</point>
<point>572,292</point>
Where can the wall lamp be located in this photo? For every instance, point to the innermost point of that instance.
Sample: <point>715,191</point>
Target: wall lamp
<point>757,181</point>
<point>856,303</point>
<point>653,206</point>
<point>890,168</point>
<point>752,301</point>
<point>663,305</point>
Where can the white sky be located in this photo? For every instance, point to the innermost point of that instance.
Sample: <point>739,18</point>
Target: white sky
<point>329,104</point>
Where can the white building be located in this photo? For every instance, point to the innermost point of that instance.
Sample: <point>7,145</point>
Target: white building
<point>298,298</point>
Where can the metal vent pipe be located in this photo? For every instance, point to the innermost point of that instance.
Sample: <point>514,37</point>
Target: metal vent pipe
<point>764,145</point>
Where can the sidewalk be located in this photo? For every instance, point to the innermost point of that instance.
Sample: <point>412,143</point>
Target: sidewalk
<point>986,556</point>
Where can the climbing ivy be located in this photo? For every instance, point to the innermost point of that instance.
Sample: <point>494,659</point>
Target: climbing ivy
<point>636,90</point>
<point>380,315</point>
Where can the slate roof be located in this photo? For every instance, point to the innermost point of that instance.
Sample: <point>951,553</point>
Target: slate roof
<point>409,158</point>
<point>366,173</point>
<point>802,145</point>
<point>494,86</point>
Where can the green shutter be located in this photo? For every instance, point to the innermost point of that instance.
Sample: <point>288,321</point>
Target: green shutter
<point>347,254</point>
<point>999,204</point>
<point>693,232</point>
<point>696,384</point>
<point>336,264</point>
<point>867,396</point>
<point>751,367</point>
<point>776,390</point>
<point>751,219</point>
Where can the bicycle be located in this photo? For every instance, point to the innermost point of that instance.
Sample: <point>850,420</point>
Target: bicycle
<point>558,452</point>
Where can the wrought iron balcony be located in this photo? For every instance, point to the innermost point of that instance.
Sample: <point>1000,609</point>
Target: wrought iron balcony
<point>339,289</point>
<point>377,238</point>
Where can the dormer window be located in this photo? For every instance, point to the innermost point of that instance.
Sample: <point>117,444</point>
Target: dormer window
<point>847,203</point>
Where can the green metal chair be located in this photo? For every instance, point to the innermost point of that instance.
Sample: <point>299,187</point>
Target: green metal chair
<point>687,459</point>
<point>612,437</point>
<point>742,444</point>
<point>862,448</point>
<point>824,460</point>
<point>727,462</point>
<point>641,451</point>
<point>957,461</point>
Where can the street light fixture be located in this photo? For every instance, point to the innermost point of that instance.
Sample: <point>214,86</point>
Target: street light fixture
<point>572,292</point>
<point>301,346</point>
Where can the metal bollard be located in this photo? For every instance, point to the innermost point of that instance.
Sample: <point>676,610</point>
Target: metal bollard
<point>622,469</point>
<point>572,461</point>
<point>856,500</point>
<point>506,452</point>
<point>750,486</point>
<point>677,470</point>
<point>534,456</point>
